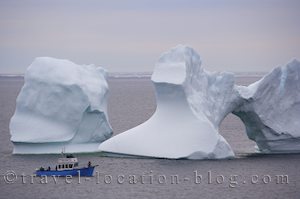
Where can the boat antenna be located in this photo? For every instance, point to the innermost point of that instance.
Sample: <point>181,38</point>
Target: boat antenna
<point>63,150</point>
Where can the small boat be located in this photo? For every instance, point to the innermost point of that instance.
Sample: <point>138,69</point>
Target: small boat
<point>67,165</point>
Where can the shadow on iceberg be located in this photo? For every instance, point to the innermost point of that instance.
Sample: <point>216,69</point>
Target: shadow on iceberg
<point>270,110</point>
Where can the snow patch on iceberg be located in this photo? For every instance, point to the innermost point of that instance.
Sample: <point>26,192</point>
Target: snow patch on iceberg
<point>61,104</point>
<point>191,103</point>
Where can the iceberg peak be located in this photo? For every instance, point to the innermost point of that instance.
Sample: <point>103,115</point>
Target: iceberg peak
<point>176,65</point>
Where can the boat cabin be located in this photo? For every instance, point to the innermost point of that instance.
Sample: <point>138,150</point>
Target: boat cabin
<point>67,163</point>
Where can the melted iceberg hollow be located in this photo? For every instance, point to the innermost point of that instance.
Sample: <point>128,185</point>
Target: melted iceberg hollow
<point>270,110</point>
<point>191,103</point>
<point>61,104</point>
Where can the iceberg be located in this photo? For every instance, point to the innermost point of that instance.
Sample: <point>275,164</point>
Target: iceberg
<point>191,104</point>
<point>270,110</point>
<point>62,105</point>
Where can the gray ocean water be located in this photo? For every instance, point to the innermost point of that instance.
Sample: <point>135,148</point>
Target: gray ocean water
<point>131,102</point>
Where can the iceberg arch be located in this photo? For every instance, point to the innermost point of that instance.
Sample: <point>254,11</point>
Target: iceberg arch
<point>64,105</point>
<point>192,102</point>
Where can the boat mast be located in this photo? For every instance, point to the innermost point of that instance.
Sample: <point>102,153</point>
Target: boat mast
<point>63,150</point>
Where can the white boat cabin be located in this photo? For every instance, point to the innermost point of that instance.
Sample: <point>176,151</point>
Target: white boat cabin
<point>67,163</point>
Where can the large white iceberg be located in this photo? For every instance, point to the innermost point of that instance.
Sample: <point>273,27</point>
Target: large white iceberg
<point>191,103</point>
<point>62,105</point>
<point>270,110</point>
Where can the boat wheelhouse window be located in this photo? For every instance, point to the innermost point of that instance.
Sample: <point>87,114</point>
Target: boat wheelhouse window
<point>59,166</point>
<point>70,156</point>
<point>63,166</point>
<point>70,165</point>
<point>66,166</point>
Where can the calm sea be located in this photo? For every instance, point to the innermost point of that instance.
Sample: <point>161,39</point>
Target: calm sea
<point>131,102</point>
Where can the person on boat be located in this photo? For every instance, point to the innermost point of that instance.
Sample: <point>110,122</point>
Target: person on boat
<point>89,164</point>
<point>49,168</point>
<point>56,168</point>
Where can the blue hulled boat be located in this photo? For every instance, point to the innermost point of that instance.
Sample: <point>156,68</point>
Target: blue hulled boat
<point>67,166</point>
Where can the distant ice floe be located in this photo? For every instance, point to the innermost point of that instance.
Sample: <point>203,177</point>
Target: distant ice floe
<point>61,105</point>
<point>130,75</point>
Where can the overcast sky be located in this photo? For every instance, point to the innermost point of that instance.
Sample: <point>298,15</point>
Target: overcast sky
<point>130,35</point>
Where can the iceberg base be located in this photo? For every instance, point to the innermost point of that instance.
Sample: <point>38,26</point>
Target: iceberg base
<point>54,148</point>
